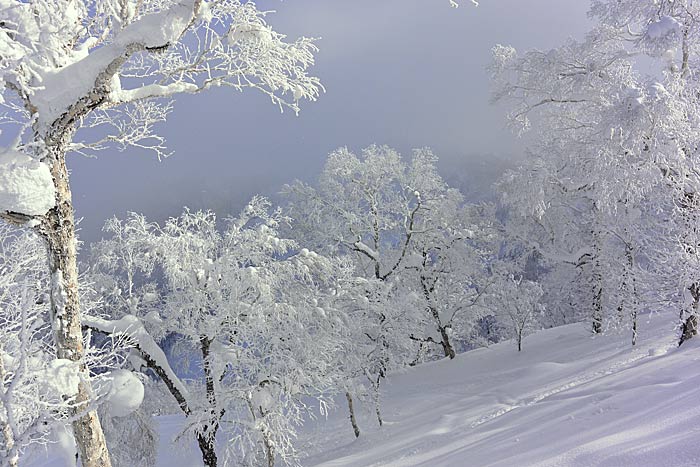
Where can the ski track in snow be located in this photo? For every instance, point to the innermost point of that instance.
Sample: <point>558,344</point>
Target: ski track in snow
<point>584,379</point>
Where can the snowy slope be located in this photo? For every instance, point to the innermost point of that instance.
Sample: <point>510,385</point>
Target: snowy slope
<point>569,399</point>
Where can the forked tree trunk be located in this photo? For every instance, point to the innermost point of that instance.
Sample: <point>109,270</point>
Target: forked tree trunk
<point>58,231</point>
<point>428,290</point>
<point>351,409</point>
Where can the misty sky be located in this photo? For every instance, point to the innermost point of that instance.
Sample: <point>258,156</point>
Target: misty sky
<point>407,73</point>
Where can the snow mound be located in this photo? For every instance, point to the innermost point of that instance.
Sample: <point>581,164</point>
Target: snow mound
<point>26,185</point>
<point>125,393</point>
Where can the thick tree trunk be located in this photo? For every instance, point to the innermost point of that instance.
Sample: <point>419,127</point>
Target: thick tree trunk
<point>11,458</point>
<point>690,328</point>
<point>58,231</point>
<point>351,409</point>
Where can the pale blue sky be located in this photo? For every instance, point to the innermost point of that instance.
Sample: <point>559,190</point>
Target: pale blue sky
<point>407,73</point>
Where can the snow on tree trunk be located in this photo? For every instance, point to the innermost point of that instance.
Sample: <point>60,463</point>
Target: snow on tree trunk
<point>629,253</point>
<point>267,443</point>
<point>206,446</point>
<point>207,438</point>
<point>58,230</point>
<point>597,312</point>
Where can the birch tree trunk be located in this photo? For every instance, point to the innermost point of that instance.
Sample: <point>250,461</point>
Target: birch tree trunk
<point>207,438</point>
<point>597,276</point>
<point>351,409</point>
<point>58,231</point>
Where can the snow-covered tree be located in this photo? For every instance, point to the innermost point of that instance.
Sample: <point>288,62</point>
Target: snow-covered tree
<point>451,262</point>
<point>258,314</point>
<point>619,137</point>
<point>516,301</point>
<point>115,65</point>
<point>556,222</point>
<point>409,236</point>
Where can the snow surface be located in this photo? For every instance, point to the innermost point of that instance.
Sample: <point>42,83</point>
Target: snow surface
<point>568,399</point>
<point>26,185</point>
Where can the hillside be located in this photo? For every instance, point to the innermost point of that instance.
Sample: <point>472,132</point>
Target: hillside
<point>569,399</point>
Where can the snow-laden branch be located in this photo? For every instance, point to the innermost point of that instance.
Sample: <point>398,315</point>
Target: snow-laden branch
<point>151,352</point>
<point>67,92</point>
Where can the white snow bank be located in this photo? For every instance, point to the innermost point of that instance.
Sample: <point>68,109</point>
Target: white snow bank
<point>26,185</point>
<point>125,393</point>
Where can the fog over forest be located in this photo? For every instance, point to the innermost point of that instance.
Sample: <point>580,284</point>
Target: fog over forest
<point>406,73</point>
